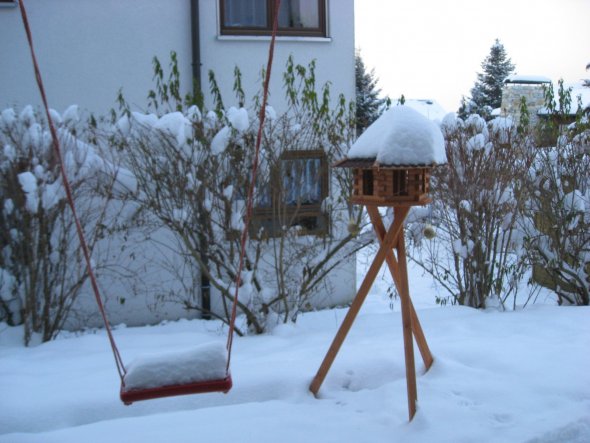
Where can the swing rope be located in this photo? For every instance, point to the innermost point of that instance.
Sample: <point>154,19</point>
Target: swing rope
<point>84,245</point>
<point>70,199</point>
<point>250,198</point>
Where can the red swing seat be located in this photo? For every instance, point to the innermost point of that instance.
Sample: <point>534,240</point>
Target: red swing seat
<point>201,369</point>
<point>201,387</point>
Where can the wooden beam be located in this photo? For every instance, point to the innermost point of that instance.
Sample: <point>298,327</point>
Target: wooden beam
<point>399,273</point>
<point>406,323</point>
<point>390,238</point>
<point>394,270</point>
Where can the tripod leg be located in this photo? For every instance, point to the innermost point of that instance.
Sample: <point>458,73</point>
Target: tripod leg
<point>388,241</point>
<point>394,270</point>
<point>407,329</point>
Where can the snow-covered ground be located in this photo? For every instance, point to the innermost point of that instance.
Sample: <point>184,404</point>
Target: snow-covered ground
<point>497,377</point>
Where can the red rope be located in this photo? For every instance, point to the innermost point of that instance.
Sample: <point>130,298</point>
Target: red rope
<point>83,243</point>
<point>250,198</point>
<point>68,189</point>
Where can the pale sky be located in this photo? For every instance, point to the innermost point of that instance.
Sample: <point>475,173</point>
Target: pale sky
<point>434,48</point>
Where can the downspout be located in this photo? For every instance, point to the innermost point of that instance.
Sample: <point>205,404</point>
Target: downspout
<point>205,297</point>
<point>197,92</point>
<point>196,51</point>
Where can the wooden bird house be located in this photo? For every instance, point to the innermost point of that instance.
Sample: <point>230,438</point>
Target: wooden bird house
<point>384,185</point>
<point>391,164</point>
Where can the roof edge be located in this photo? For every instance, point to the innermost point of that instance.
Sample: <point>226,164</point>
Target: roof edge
<point>373,163</point>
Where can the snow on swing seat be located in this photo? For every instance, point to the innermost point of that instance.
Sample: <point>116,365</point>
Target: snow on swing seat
<point>198,370</point>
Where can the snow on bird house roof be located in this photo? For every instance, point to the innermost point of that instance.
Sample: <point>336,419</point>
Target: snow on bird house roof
<point>401,136</point>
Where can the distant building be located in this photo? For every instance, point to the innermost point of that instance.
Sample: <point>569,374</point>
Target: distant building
<point>528,86</point>
<point>532,88</point>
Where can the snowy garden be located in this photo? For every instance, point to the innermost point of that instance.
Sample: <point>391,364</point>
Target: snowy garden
<point>497,377</point>
<point>510,363</point>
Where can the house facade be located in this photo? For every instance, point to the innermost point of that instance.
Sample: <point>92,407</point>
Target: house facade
<point>88,51</point>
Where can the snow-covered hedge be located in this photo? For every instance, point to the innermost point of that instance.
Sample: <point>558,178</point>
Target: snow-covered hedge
<point>507,204</point>
<point>193,170</point>
<point>558,224</point>
<point>180,177</point>
<point>477,255</point>
<point>41,267</point>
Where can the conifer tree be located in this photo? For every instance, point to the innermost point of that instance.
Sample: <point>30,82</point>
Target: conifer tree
<point>368,104</point>
<point>486,94</point>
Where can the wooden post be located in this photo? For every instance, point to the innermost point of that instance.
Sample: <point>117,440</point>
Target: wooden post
<point>406,323</point>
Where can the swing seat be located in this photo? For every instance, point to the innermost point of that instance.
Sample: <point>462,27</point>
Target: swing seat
<point>199,370</point>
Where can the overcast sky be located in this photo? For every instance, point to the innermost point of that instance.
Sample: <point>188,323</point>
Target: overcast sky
<point>434,48</point>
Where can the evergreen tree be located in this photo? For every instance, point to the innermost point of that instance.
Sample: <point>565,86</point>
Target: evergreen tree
<point>486,94</point>
<point>368,104</point>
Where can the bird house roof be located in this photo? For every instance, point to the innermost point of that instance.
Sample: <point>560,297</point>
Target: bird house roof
<point>400,137</point>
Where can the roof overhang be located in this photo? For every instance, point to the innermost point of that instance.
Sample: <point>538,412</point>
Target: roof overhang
<point>368,163</point>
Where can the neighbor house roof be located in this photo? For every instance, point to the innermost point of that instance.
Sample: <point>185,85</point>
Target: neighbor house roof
<point>429,108</point>
<point>527,79</point>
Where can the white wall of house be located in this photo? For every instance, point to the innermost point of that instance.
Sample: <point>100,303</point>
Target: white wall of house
<point>142,281</point>
<point>88,50</point>
<point>334,54</point>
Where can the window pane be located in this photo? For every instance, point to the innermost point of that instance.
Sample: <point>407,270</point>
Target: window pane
<point>302,182</point>
<point>299,14</point>
<point>245,13</point>
<point>263,198</point>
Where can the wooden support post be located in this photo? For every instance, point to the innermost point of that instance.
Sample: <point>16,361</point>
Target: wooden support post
<point>392,263</point>
<point>406,323</point>
<point>388,241</point>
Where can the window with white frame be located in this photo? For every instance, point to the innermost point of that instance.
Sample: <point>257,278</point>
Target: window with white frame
<point>254,17</point>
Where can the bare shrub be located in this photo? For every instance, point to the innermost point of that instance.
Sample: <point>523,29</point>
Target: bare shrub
<point>42,269</point>
<point>557,226</point>
<point>193,171</point>
<point>476,256</point>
